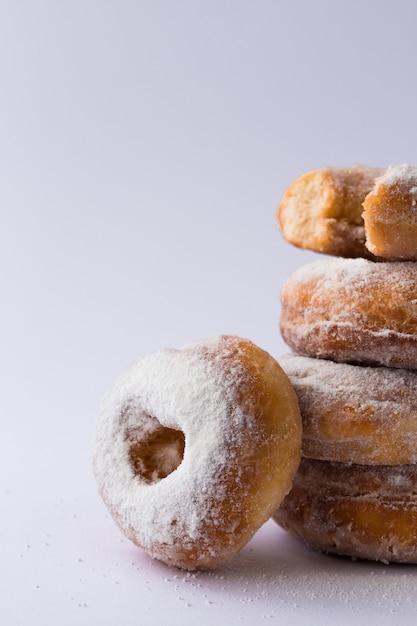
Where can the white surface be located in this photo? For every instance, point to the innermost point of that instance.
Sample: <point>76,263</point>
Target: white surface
<point>144,147</point>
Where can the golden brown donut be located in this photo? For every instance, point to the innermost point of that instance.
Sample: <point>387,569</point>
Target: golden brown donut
<point>355,414</point>
<point>367,512</point>
<point>390,214</point>
<point>322,210</point>
<point>195,448</point>
<point>352,310</point>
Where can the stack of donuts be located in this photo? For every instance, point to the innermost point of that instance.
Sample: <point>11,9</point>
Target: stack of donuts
<point>195,448</point>
<point>350,321</point>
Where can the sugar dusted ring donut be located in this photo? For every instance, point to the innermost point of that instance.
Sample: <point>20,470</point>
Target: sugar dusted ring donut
<point>195,448</point>
<point>353,413</point>
<point>353,310</point>
<point>361,511</point>
<point>322,210</point>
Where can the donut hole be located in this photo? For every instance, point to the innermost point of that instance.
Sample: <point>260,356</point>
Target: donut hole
<point>157,455</point>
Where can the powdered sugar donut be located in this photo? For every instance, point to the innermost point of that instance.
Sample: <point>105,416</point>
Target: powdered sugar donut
<point>322,210</point>
<point>353,413</point>
<point>195,448</point>
<point>353,310</point>
<point>390,214</point>
<point>361,511</point>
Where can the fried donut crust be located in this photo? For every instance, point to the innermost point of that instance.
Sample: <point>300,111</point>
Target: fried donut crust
<point>367,512</point>
<point>322,210</point>
<point>355,414</point>
<point>390,214</point>
<point>195,448</point>
<point>352,310</point>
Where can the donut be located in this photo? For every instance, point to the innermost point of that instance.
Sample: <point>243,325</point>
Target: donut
<point>355,414</point>
<point>322,210</point>
<point>362,511</point>
<point>353,311</point>
<point>390,214</point>
<point>194,448</point>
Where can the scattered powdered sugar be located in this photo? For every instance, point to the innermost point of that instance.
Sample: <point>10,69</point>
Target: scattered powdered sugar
<point>276,577</point>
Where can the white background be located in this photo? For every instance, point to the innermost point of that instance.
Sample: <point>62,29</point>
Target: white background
<point>144,147</point>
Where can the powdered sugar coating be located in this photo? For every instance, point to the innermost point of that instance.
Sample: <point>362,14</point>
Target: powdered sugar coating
<point>209,506</point>
<point>346,272</point>
<point>404,176</point>
<point>353,310</point>
<point>355,414</point>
